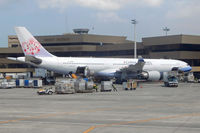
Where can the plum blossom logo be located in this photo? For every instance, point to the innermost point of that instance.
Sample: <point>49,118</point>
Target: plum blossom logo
<point>31,47</point>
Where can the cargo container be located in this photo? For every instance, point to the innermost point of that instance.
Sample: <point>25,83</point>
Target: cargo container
<point>65,87</point>
<point>37,83</point>
<point>8,84</point>
<point>89,85</point>
<point>28,83</point>
<point>106,86</point>
<point>80,85</point>
<point>20,82</point>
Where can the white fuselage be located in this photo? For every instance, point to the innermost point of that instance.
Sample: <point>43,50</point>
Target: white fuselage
<point>65,65</point>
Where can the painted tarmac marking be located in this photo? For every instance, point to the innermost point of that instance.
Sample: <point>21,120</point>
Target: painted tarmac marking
<point>139,121</point>
<point>90,129</point>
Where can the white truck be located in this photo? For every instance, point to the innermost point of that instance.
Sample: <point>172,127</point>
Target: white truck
<point>170,79</point>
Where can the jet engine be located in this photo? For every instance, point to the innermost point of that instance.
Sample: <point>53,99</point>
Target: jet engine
<point>151,75</point>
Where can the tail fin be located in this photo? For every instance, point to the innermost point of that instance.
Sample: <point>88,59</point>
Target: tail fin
<point>30,46</point>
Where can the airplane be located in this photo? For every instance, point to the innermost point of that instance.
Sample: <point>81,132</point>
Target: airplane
<point>148,69</point>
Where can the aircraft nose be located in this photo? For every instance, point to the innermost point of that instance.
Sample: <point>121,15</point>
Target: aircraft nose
<point>186,69</point>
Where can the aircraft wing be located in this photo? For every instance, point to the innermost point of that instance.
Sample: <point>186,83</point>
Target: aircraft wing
<point>107,73</point>
<point>138,67</point>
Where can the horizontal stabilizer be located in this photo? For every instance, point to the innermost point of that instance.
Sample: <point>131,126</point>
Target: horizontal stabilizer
<point>33,59</point>
<point>12,58</point>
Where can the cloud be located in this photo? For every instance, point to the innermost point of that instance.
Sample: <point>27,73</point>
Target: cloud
<point>153,2</point>
<point>146,3</point>
<point>103,5</point>
<point>105,10</point>
<point>94,4</point>
<point>184,9</point>
<point>61,4</point>
<point>109,17</point>
<point>100,4</point>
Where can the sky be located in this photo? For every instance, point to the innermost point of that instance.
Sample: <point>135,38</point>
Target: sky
<point>106,17</point>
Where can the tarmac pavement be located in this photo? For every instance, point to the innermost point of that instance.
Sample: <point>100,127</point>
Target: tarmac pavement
<point>150,109</point>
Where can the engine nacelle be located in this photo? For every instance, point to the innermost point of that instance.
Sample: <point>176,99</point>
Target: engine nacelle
<point>151,75</point>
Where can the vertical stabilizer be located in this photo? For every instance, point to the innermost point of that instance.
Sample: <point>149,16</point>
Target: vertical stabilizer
<point>30,46</point>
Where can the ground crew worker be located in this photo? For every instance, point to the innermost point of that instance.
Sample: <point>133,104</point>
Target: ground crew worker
<point>95,87</point>
<point>114,88</point>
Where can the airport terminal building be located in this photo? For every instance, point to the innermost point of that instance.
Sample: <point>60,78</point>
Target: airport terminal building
<point>80,43</point>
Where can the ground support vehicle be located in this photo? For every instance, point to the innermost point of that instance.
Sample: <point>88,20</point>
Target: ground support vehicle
<point>45,92</point>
